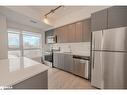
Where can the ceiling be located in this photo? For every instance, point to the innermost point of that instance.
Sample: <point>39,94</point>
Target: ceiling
<point>67,14</point>
<point>65,10</point>
<point>62,16</point>
<point>23,19</point>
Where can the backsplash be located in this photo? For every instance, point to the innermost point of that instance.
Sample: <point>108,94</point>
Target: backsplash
<point>82,48</point>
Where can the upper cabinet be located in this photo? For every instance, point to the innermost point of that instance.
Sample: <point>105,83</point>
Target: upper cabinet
<point>79,31</point>
<point>117,16</point>
<point>57,33</point>
<point>99,20</point>
<point>64,33</point>
<point>75,32</point>
<point>71,33</point>
<point>61,33</point>
<point>112,17</point>
<point>86,35</point>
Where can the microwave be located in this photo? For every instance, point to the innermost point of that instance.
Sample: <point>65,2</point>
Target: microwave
<point>51,39</point>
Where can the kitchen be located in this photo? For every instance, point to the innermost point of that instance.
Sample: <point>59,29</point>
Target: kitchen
<point>82,52</point>
<point>102,63</point>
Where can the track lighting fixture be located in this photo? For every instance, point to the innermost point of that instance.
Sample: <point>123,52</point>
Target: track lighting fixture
<point>52,11</point>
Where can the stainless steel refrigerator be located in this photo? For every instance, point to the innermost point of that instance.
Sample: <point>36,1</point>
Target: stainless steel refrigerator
<point>109,58</point>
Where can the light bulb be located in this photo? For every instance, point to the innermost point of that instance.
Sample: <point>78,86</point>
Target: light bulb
<point>46,21</point>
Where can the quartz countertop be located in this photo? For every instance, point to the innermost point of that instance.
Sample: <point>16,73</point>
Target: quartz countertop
<point>70,53</point>
<point>16,70</point>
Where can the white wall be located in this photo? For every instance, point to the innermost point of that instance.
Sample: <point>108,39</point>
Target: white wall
<point>3,38</point>
<point>81,48</point>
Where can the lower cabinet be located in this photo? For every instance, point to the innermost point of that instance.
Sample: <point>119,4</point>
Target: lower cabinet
<point>63,61</point>
<point>68,63</point>
<point>39,81</point>
<point>58,60</point>
<point>55,60</point>
<point>73,65</point>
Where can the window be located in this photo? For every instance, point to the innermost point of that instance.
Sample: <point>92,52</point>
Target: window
<point>31,44</point>
<point>14,44</point>
<point>23,43</point>
<point>13,39</point>
<point>31,41</point>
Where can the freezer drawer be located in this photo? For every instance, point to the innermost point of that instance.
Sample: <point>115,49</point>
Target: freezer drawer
<point>115,70</point>
<point>115,39</point>
<point>97,70</point>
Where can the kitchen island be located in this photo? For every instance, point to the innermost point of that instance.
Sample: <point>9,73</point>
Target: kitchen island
<point>23,73</point>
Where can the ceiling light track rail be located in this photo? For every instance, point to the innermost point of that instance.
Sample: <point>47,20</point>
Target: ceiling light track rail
<point>52,11</point>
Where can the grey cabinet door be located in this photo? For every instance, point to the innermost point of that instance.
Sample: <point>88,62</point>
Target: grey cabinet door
<point>86,35</point>
<point>99,20</point>
<point>61,61</point>
<point>55,60</point>
<point>117,16</point>
<point>68,63</point>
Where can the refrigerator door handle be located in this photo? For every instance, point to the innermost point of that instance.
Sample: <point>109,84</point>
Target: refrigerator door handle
<point>102,40</point>
<point>93,60</point>
<point>93,41</point>
<point>94,44</point>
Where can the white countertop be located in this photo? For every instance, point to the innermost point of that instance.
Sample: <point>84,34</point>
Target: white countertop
<point>15,70</point>
<point>70,53</point>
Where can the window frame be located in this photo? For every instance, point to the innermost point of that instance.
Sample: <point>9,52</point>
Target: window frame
<point>32,34</point>
<point>21,48</point>
<point>18,32</point>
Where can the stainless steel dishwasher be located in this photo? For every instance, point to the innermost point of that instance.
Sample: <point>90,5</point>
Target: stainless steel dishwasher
<point>81,66</point>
